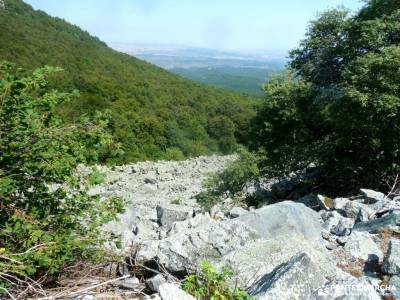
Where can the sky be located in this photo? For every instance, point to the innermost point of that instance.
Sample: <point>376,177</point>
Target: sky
<point>243,25</point>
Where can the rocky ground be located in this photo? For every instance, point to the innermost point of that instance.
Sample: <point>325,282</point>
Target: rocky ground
<point>311,248</point>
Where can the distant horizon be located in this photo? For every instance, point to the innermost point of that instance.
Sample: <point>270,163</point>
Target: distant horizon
<point>226,25</point>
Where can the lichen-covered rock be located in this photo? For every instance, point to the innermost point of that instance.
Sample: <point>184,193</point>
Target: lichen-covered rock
<point>297,278</point>
<point>168,214</point>
<point>261,257</point>
<point>285,218</point>
<point>391,264</point>
<point>361,245</point>
<point>184,249</point>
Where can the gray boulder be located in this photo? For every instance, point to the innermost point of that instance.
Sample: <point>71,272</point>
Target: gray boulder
<point>360,245</point>
<point>296,279</point>
<point>390,221</point>
<point>352,209</point>
<point>185,247</point>
<point>261,257</point>
<point>167,215</point>
<point>371,196</point>
<point>169,291</point>
<point>284,218</point>
<point>237,212</point>
<point>391,263</point>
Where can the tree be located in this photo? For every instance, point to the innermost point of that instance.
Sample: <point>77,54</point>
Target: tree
<point>340,110</point>
<point>46,217</point>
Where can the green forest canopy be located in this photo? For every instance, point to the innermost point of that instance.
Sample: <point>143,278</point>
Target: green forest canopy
<point>154,114</point>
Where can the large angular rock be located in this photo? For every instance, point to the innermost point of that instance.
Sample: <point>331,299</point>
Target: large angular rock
<point>371,196</point>
<point>390,221</point>
<point>296,279</point>
<point>170,291</point>
<point>167,215</point>
<point>360,245</point>
<point>286,218</point>
<point>352,209</point>
<point>391,264</point>
<point>184,248</point>
<point>261,257</point>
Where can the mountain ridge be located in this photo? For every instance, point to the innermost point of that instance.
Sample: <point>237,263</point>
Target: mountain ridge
<point>155,114</point>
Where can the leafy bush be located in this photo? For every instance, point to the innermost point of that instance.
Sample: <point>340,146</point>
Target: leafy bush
<point>230,182</point>
<point>46,217</point>
<point>340,110</point>
<point>208,284</point>
<point>95,177</point>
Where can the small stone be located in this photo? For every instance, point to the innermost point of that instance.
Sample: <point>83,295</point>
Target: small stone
<point>155,282</point>
<point>391,263</point>
<point>169,291</point>
<point>167,215</point>
<point>342,240</point>
<point>325,234</point>
<point>237,212</point>
<point>150,181</point>
<point>129,283</point>
<point>330,246</point>
<point>343,228</point>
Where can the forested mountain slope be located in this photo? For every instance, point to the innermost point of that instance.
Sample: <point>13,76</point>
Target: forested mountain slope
<point>154,113</point>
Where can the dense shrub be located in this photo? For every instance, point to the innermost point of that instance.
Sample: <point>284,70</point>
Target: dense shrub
<point>230,182</point>
<point>46,217</point>
<point>341,110</point>
<point>209,284</point>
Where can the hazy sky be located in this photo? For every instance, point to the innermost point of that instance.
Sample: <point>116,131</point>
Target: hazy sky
<point>218,24</point>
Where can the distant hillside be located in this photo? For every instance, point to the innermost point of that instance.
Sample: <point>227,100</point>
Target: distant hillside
<point>238,71</point>
<point>240,79</point>
<point>155,114</point>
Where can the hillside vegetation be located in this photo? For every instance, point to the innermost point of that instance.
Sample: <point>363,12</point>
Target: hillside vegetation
<point>154,114</point>
<point>245,80</point>
<point>335,115</point>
